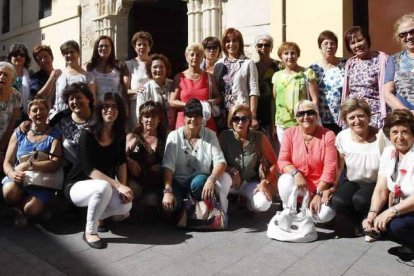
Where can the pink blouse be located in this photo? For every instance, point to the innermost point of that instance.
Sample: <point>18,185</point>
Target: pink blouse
<point>317,162</point>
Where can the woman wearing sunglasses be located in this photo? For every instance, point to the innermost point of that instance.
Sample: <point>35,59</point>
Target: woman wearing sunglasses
<point>212,51</point>
<point>98,180</point>
<point>308,160</point>
<point>399,75</point>
<point>245,149</point>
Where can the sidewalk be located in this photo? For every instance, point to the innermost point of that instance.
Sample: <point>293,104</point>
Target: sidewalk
<point>157,248</point>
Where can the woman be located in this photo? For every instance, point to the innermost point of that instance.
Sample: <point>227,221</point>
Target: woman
<point>330,71</point>
<point>291,85</point>
<point>110,74</point>
<point>79,116</point>
<point>98,180</point>
<point>399,74</point>
<point>245,150</point>
<point>392,204</point>
<point>145,150</point>
<point>236,75</point>
<point>194,83</point>
<point>158,88</point>
<point>19,57</point>
<point>365,73</point>
<point>43,82</point>
<point>30,201</point>
<point>360,147</point>
<point>142,43</point>
<point>71,74</point>
<point>266,67</point>
<point>193,162</point>
<point>10,104</point>
<point>308,161</point>
<point>212,51</point>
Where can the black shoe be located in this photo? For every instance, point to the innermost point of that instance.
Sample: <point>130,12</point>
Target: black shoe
<point>99,244</point>
<point>103,228</point>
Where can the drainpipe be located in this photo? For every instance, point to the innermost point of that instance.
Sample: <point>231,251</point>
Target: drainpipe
<point>283,20</point>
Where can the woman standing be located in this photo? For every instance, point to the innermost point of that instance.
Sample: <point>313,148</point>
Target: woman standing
<point>365,73</point>
<point>399,75</point>
<point>142,43</point>
<point>291,85</point>
<point>110,74</point>
<point>98,180</point>
<point>360,147</point>
<point>236,75</point>
<point>29,200</point>
<point>19,57</point>
<point>158,88</point>
<point>266,67</point>
<point>330,71</point>
<point>244,150</point>
<point>392,204</point>
<point>194,83</point>
<point>212,51</point>
<point>308,160</point>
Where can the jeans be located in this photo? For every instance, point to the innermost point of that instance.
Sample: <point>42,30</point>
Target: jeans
<point>401,229</point>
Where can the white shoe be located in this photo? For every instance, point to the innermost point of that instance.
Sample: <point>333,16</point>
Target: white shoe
<point>369,238</point>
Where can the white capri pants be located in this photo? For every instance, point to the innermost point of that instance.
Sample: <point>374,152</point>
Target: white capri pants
<point>286,184</point>
<point>256,202</point>
<point>222,188</point>
<point>102,200</point>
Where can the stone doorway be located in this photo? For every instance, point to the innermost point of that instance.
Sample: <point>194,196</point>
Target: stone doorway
<point>167,22</point>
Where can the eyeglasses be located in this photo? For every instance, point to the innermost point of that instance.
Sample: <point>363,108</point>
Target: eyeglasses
<point>212,48</point>
<point>328,44</point>
<point>405,34</point>
<point>106,107</point>
<point>260,45</point>
<point>238,119</point>
<point>310,112</point>
<point>104,46</point>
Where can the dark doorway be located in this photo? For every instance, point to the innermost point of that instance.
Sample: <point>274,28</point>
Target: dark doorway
<point>166,20</point>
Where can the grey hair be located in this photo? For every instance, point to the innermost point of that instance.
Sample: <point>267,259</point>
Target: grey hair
<point>309,105</point>
<point>9,66</point>
<point>266,37</point>
<point>196,47</point>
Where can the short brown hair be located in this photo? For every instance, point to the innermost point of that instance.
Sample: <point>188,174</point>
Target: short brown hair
<point>38,100</point>
<point>142,35</point>
<point>237,34</point>
<point>327,35</point>
<point>39,48</point>
<point>234,110</point>
<point>213,40</point>
<point>352,31</point>
<point>158,57</point>
<point>287,45</point>
<point>352,104</point>
<point>398,117</point>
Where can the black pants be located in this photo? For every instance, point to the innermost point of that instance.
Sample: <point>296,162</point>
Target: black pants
<point>353,198</point>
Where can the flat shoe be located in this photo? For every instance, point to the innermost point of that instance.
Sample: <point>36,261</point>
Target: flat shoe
<point>99,244</point>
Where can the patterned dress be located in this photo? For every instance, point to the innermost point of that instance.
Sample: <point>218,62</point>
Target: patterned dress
<point>330,82</point>
<point>7,108</point>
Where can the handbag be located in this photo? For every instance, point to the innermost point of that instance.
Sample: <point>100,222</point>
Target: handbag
<point>292,226</point>
<point>52,180</point>
<point>205,214</point>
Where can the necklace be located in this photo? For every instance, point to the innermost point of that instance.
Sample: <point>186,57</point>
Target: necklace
<point>38,132</point>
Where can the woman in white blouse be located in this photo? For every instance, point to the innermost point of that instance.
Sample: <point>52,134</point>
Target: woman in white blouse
<point>359,146</point>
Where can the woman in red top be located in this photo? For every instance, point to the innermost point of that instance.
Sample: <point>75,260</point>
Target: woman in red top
<point>194,83</point>
<point>308,160</point>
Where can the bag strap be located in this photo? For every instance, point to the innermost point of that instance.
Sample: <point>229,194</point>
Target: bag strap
<point>293,199</point>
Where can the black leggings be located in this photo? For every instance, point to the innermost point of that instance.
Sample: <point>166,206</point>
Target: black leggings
<point>353,198</point>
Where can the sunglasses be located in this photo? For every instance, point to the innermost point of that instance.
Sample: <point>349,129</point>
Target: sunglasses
<point>18,55</point>
<point>106,107</point>
<point>405,34</point>
<point>301,114</point>
<point>260,45</point>
<point>212,48</point>
<point>192,115</point>
<point>237,119</point>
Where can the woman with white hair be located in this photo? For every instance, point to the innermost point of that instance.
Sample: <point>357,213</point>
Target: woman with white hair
<point>266,67</point>
<point>308,161</point>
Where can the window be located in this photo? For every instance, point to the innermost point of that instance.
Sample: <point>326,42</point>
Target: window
<point>45,8</point>
<point>6,16</point>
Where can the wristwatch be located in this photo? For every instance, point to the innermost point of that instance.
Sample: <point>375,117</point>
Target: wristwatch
<point>395,211</point>
<point>294,172</point>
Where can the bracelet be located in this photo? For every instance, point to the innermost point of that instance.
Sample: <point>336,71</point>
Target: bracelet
<point>317,193</point>
<point>294,172</point>
<point>373,211</point>
<point>168,190</point>
<point>395,211</point>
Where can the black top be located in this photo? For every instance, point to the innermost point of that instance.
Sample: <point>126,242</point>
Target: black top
<point>91,155</point>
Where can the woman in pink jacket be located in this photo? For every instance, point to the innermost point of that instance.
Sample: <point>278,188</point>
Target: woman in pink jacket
<point>308,161</point>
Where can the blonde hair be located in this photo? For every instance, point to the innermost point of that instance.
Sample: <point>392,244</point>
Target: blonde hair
<point>402,19</point>
<point>196,47</point>
<point>37,100</point>
<point>234,110</point>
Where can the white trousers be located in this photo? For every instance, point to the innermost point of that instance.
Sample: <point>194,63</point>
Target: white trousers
<point>102,200</point>
<point>286,184</point>
<point>280,131</point>
<point>222,188</point>
<point>256,202</point>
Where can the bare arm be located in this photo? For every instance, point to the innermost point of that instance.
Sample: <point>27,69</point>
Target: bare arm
<point>49,88</point>
<point>313,91</point>
<point>390,98</point>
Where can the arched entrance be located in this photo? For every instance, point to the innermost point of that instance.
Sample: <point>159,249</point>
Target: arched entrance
<point>167,22</point>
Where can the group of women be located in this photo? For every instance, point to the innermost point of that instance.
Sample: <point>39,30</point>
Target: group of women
<point>213,130</point>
